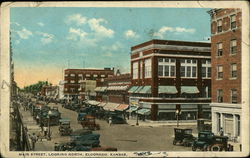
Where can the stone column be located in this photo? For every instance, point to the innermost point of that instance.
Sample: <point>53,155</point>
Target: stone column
<point>235,125</point>
<point>222,121</point>
<point>214,122</point>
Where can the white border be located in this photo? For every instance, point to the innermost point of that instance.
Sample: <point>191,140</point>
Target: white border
<point>5,67</point>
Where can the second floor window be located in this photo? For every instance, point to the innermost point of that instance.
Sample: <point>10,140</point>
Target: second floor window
<point>219,26</point>
<point>72,81</point>
<point>72,75</point>
<point>233,21</point>
<point>147,72</point>
<point>219,72</point>
<point>233,96</point>
<point>206,69</point>
<point>233,70</point>
<point>219,49</point>
<point>189,68</point>
<point>233,47</point>
<point>135,70</point>
<point>166,67</point>
<point>219,95</point>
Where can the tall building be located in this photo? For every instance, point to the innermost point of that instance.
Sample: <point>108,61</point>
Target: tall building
<point>171,77</point>
<point>72,79</point>
<point>226,72</point>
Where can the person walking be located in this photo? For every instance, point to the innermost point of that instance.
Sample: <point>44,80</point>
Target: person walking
<point>110,121</point>
<point>33,140</point>
<point>221,131</point>
<point>45,130</point>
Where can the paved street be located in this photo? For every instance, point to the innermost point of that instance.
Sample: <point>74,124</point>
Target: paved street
<point>125,137</point>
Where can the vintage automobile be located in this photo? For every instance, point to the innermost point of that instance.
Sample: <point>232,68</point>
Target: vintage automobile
<point>118,120</point>
<point>219,143</point>
<point>90,123</point>
<point>81,116</point>
<point>207,141</point>
<point>64,127</point>
<point>71,146</point>
<point>204,140</point>
<point>85,137</point>
<point>183,137</point>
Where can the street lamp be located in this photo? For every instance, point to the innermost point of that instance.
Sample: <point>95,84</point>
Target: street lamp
<point>48,117</point>
<point>177,113</point>
<point>137,120</point>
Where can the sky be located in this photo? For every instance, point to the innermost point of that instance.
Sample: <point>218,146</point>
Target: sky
<point>47,40</point>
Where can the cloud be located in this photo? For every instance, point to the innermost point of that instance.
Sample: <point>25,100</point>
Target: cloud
<point>40,24</point>
<point>100,30</point>
<point>77,19</point>
<point>163,30</point>
<point>130,34</point>
<point>24,33</point>
<point>15,23</point>
<point>75,34</point>
<point>114,47</point>
<point>46,37</point>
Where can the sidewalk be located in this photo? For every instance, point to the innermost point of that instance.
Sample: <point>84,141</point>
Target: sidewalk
<point>33,127</point>
<point>150,123</point>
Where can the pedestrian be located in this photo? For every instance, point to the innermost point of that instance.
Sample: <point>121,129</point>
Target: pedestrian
<point>221,131</point>
<point>45,131</point>
<point>110,121</point>
<point>33,139</point>
<point>37,119</point>
<point>42,125</point>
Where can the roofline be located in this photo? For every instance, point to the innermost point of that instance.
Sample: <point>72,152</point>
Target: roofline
<point>90,69</point>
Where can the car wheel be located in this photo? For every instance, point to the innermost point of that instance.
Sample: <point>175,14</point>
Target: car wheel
<point>193,148</point>
<point>215,148</point>
<point>174,142</point>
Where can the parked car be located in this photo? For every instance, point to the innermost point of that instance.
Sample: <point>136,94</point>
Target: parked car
<point>183,137</point>
<point>64,127</point>
<point>71,146</point>
<point>118,120</point>
<point>205,139</point>
<point>90,123</point>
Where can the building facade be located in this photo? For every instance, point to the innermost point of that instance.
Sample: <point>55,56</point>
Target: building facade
<point>226,72</point>
<point>87,89</point>
<point>72,79</point>
<point>171,78</point>
<point>115,89</point>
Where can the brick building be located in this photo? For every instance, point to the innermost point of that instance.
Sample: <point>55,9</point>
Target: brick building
<point>226,72</point>
<point>72,79</point>
<point>171,75</point>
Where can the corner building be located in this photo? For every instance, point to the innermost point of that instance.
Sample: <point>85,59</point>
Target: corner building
<point>226,72</point>
<point>167,76</point>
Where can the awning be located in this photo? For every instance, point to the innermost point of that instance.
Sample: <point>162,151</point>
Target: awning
<point>167,90</point>
<point>93,102</point>
<point>189,89</point>
<point>132,89</point>
<point>102,104</point>
<point>144,111</point>
<point>122,107</point>
<point>98,89</point>
<point>138,89</point>
<point>145,90</point>
<point>132,108</point>
<point>110,106</point>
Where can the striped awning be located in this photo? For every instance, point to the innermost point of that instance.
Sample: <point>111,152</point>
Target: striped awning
<point>103,89</point>
<point>132,108</point>
<point>110,106</point>
<point>145,90</point>
<point>132,89</point>
<point>144,111</point>
<point>122,107</point>
<point>93,102</point>
<point>189,89</point>
<point>167,90</point>
<point>138,89</point>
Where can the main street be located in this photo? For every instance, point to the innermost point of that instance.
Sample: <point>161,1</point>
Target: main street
<point>125,137</point>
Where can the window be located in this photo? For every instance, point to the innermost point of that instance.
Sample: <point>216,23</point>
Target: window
<point>141,64</point>
<point>219,95</point>
<point>219,26</point>
<point>66,81</point>
<point>219,49</point>
<point>87,75</point>
<point>233,47</point>
<point>79,88</point>
<point>72,81</point>
<point>95,75</point>
<point>188,68</point>
<point>66,75</point>
<point>79,75</point>
<point>102,75</point>
<point>135,70</point>
<point>233,21</point>
<point>147,73</point>
<point>166,67</point>
<point>206,68</point>
<point>233,70</point>
<point>72,75</point>
<point>233,96</point>
<point>219,72</point>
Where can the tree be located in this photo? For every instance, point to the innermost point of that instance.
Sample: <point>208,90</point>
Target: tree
<point>35,88</point>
